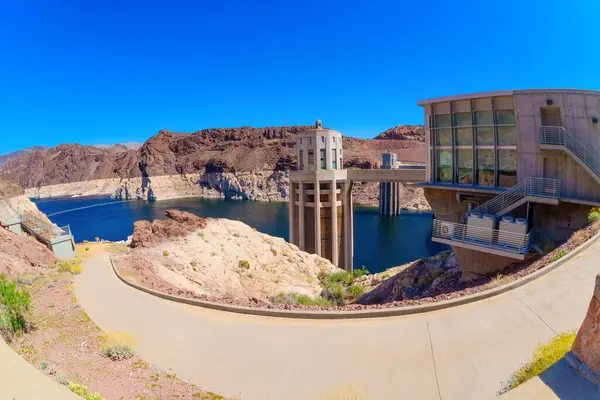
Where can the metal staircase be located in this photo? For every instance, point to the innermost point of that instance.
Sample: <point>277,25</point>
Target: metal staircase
<point>538,190</point>
<point>557,138</point>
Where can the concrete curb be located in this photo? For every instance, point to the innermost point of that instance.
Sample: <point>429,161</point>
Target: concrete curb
<point>369,313</point>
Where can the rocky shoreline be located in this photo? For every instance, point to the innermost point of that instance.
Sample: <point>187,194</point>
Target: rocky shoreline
<point>264,185</point>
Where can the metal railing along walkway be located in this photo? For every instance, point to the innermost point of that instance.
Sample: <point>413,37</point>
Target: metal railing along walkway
<point>558,136</point>
<point>43,229</point>
<point>491,238</point>
<point>528,187</point>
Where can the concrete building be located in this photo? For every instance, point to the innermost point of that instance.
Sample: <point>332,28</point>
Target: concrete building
<point>533,154</point>
<point>321,198</point>
<point>389,192</point>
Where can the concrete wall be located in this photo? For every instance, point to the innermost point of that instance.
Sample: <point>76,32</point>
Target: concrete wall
<point>577,107</point>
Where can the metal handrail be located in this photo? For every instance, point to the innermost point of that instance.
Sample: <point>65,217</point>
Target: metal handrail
<point>485,237</point>
<point>43,228</point>
<point>538,236</point>
<point>558,136</point>
<point>530,186</point>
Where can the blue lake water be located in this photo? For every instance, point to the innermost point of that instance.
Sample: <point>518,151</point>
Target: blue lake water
<point>379,241</point>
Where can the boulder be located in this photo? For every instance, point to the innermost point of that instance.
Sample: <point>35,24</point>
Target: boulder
<point>587,344</point>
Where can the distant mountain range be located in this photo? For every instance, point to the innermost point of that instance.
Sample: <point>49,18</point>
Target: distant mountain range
<point>204,151</point>
<point>9,156</point>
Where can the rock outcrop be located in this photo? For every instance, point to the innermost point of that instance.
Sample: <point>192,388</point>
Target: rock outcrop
<point>587,344</point>
<point>244,163</point>
<point>404,132</point>
<point>21,254</point>
<point>222,259</point>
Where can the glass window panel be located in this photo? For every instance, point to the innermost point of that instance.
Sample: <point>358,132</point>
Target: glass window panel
<point>323,154</point>
<point>443,137</point>
<point>484,135</point>
<point>507,168</point>
<point>485,167</point>
<point>311,157</point>
<point>334,158</point>
<point>507,136</point>
<point>463,136</point>
<point>462,119</point>
<point>464,166</point>
<point>505,117</point>
<point>301,160</point>
<point>442,120</point>
<point>443,163</point>
<point>483,118</point>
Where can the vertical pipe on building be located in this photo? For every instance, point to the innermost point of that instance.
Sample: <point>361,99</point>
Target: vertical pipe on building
<point>301,232</point>
<point>334,227</point>
<point>380,198</point>
<point>317,216</point>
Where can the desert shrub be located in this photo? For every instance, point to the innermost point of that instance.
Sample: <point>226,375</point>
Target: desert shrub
<point>558,255</point>
<point>27,280</point>
<point>87,249</point>
<point>82,390</point>
<point>117,347</point>
<point>63,380</point>
<point>437,272</point>
<point>385,276</point>
<point>341,277</point>
<point>244,264</point>
<point>43,365</point>
<point>165,253</point>
<point>544,356</point>
<point>86,241</point>
<point>354,291</point>
<point>334,293</point>
<point>76,269</point>
<point>274,251</point>
<point>15,305</point>
<point>547,248</point>
<point>594,215</point>
<point>65,266</point>
<point>51,304</point>
<point>362,271</point>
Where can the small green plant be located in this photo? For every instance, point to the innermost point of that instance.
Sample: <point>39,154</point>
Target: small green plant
<point>385,276</point>
<point>244,264</point>
<point>63,380</point>
<point>354,291</point>
<point>547,248</point>
<point>274,251</point>
<point>194,264</point>
<point>558,255</point>
<point>86,241</point>
<point>43,365</point>
<point>140,364</point>
<point>76,269</point>
<point>82,391</point>
<point>362,271</point>
<point>51,304</point>
<point>15,305</point>
<point>117,347</point>
<point>165,253</point>
<point>155,377</point>
<point>594,215</point>
<point>437,272</point>
<point>194,268</point>
<point>334,293</point>
<point>544,356</point>
<point>87,249</point>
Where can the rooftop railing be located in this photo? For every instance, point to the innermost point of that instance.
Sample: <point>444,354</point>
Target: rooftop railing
<point>558,136</point>
<point>531,186</point>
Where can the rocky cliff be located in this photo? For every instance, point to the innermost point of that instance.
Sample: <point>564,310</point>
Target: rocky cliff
<point>245,163</point>
<point>198,255</point>
<point>4,158</point>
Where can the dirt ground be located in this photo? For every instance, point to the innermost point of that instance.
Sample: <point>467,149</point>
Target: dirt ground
<point>65,344</point>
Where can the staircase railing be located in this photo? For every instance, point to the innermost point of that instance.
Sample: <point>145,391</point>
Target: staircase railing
<point>531,186</point>
<point>557,135</point>
<point>539,237</point>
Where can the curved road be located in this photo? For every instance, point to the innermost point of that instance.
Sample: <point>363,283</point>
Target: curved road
<point>459,353</point>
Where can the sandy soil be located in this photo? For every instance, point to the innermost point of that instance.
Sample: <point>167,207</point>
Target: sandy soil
<point>67,341</point>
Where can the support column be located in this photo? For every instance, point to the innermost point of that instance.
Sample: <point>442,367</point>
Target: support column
<point>348,226</point>
<point>301,232</point>
<point>292,216</point>
<point>317,217</point>
<point>380,198</point>
<point>334,226</point>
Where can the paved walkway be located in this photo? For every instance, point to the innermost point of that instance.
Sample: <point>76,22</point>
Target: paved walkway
<point>20,380</point>
<point>459,353</point>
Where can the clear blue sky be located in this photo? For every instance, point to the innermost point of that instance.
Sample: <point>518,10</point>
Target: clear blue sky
<point>115,71</point>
